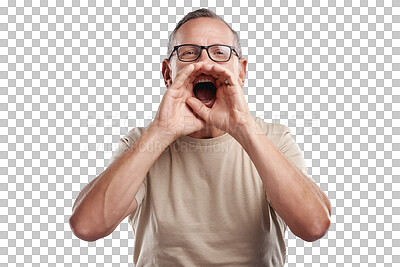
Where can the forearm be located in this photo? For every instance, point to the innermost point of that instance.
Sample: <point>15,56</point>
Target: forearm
<point>106,201</point>
<point>296,198</point>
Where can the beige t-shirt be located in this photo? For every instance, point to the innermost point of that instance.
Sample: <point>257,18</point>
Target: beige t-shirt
<point>203,203</point>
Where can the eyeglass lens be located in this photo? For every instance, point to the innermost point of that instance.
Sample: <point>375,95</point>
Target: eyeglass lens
<point>217,53</point>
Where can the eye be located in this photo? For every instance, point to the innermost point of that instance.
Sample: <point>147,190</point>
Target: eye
<point>219,51</point>
<point>189,53</point>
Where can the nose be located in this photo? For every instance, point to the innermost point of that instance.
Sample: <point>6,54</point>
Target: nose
<point>204,56</point>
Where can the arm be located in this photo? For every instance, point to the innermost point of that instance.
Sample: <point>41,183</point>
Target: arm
<point>109,198</point>
<point>296,198</point>
<point>286,186</point>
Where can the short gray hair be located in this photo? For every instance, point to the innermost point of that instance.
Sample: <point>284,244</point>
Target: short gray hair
<point>202,13</point>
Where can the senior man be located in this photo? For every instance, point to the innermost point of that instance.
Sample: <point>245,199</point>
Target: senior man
<point>206,183</point>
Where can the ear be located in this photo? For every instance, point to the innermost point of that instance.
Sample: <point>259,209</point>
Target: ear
<point>242,71</point>
<point>166,72</point>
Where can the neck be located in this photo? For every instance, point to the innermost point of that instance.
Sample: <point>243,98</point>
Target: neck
<point>207,132</point>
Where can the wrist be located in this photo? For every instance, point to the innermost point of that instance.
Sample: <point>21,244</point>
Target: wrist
<point>152,141</point>
<point>161,135</point>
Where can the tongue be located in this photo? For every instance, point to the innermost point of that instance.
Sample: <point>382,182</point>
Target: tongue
<point>204,91</point>
<point>204,94</point>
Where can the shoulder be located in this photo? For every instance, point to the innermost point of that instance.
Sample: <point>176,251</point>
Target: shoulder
<point>281,136</point>
<point>275,131</point>
<point>131,137</point>
<point>126,142</point>
<point>271,127</point>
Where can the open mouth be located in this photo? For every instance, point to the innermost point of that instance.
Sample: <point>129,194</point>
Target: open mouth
<point>204,89</point>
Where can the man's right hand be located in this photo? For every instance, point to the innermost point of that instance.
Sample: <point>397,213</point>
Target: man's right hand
<point>174,117</point>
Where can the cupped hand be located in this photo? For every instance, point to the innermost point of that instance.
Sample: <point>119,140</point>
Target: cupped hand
<point>230,111</point>
<point>174,117</point>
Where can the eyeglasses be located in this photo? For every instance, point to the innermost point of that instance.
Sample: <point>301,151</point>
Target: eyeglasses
<point>191,52</point>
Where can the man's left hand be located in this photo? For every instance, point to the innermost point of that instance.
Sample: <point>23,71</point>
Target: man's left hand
<point>230,111</point>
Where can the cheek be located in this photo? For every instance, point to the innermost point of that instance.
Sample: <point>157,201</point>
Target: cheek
<point>236,68</point>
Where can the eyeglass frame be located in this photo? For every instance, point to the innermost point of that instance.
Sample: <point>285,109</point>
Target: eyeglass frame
<point>232,48</point>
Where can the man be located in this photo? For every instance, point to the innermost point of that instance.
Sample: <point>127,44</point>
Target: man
<point>205,183</point>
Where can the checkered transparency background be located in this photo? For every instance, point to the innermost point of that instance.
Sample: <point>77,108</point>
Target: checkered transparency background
<point>75,76</point>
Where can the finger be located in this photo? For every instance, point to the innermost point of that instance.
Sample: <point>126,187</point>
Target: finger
<point>185,74</point>
<point>199,108</point>
<point>225,75</point>
<point>199,71</point>
<point>199,120</point>
<point>221,73</point>
<point>205,68</point>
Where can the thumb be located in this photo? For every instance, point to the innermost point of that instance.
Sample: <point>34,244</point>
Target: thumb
<point>199,108</point>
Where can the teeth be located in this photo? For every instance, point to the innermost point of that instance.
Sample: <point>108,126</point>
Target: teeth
<point>203,80</point>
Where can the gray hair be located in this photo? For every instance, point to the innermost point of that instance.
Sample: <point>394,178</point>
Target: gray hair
<point>202,13</point>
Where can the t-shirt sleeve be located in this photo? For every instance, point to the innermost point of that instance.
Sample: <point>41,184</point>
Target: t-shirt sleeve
<point>124,144</point>
<point>281,136</point>
<point>292,151</point>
